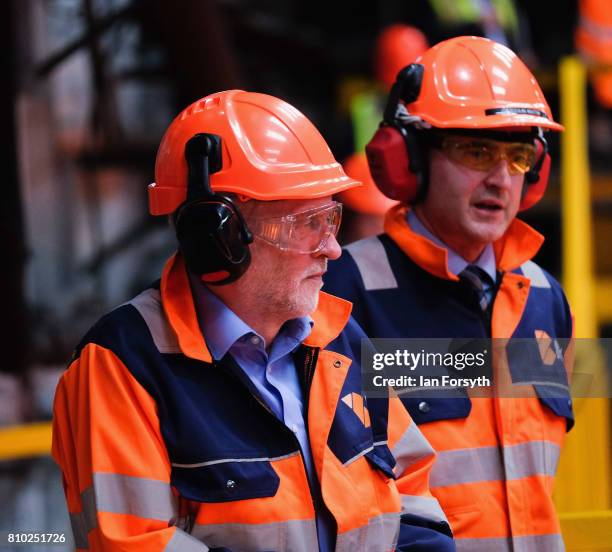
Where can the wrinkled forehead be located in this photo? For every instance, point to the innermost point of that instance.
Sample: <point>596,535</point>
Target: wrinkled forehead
<point>280,208</point>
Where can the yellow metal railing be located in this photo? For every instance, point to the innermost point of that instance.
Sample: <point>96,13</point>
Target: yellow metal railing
<point>587,530</point>
<point>582,492</point>
<point>25,441</point>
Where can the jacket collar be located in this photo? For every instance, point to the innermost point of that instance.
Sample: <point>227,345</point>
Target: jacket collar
<point>519,244</point>
<point>330,317</point>
<point>178,304</point>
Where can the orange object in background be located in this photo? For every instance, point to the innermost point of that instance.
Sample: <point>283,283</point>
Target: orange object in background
<point>594,32</point>
<point>594,42</point>
<point>366,199</point>
<point>397,46</point>
<point>602,87</point>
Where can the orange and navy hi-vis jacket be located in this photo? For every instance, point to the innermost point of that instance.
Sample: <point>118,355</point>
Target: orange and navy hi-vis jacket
<point>162,448</point>
<point>496,456</point>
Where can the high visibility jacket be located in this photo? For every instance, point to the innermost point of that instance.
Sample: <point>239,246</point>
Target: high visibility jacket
<point>496,457</point>
<point>162,448</point>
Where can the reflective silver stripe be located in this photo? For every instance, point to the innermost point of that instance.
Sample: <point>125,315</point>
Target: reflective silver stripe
<point>539,543</point>
<point>533,458</point>
<point>148,304</point>
<point>226,460</point>
<point>289,536</point>
<point>86,520</point>
<point>79,530</point>
<point>137,496</point>
<point>535,274</point>
<point>485,463</point>
<point>88,500</point>
<point>427,507</point>
<point>379,535</point>
<point>501,544</point>
<point>182,542</point>
<point>412,447</point>
<point>466,466</point>
<point>357,456</point>
<point>601,32</point>
<point>373,264</point>
<point>530,543</point>
<point>121,494</point>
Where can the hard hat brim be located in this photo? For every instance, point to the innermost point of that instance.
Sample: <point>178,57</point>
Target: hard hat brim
<point>306,190</point>
<point>161,197</point>
<point>496,121</point>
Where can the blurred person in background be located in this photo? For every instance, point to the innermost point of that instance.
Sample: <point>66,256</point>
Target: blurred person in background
<point>396,46</point>
<point>463,149</point>
<point>221,409</point>
<point>593,39</point>
<point>494,19</point>
<point>513,23</point>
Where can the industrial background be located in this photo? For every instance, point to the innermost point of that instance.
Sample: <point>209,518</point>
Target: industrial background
<point>89,87</point>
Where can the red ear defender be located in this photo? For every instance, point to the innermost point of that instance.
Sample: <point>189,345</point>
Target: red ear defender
<point>393,153</point>
<point>536,179</point>
<point>390,165</point>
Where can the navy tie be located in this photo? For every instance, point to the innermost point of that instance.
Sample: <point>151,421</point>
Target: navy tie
<point>481,284</point>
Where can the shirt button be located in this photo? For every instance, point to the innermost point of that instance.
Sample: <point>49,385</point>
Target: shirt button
<point>569,402</point>
<point>337,363</point>
<point>255,340</point>
<point>294,428</point>
<point>423,406</point>
<point>231,484</point>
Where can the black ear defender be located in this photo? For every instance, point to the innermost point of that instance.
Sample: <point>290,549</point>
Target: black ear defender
<point>212,234</point>
<point>395,156</point>
<point>533,174</point>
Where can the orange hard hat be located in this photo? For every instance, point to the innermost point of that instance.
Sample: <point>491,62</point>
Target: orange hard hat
<point>397,46</point>
<point>270,151</point>
<point>366,199</point>
<point>473,82</point>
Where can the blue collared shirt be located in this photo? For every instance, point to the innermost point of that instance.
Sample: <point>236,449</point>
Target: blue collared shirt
<point>456,263</point>
<point>273,374</point>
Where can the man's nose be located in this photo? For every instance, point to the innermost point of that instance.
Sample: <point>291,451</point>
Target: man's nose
<point>331,249</point>
<point>500,175</point>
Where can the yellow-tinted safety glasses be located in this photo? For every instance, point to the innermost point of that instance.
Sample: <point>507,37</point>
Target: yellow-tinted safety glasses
<point>482,154</point>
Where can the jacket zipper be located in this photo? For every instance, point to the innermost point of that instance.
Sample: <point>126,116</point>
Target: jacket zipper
<point>310,362</point>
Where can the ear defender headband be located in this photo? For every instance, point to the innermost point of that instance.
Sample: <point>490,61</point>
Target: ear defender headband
<point>212,234</point>
<point>396,152</point>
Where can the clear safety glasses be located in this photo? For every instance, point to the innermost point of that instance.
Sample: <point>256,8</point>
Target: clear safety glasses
<point>482,154</point>
<point>305,232</point>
